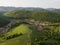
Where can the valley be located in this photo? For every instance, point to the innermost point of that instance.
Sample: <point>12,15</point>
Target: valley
<point>29,27</point>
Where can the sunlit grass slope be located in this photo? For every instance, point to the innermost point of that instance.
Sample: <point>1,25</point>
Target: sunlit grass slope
<point>20,40</point>
<point>19,29</point>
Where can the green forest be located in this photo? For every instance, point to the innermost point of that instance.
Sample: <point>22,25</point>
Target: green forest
<point>30,27</point>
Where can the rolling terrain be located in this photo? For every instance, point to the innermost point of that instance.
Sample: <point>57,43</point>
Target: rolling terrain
<point>30,27</point>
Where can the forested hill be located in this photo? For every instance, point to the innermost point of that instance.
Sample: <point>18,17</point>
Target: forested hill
<point>41,16</point>
<point>3,20</point>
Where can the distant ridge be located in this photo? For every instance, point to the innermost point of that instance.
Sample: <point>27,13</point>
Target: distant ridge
<point>4,9</point>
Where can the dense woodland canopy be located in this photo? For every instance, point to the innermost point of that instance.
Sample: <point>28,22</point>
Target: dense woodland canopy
<point>36,15</point>
<point>3,20</point>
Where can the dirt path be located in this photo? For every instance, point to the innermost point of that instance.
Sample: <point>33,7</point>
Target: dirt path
<point>38,25</point>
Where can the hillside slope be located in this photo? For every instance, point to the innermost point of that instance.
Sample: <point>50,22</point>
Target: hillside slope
<point>24,39</point>
<point>42,16</point>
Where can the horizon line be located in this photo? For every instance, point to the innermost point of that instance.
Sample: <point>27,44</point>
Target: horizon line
<point>30,7</point>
